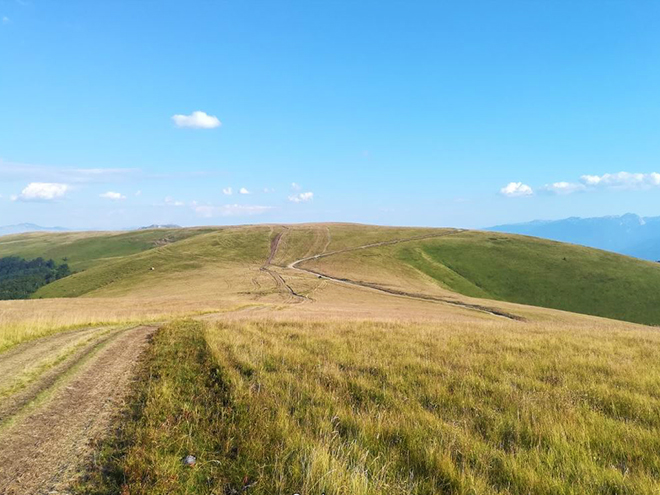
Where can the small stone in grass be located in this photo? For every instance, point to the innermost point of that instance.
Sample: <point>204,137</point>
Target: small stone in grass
<point>189,460</point>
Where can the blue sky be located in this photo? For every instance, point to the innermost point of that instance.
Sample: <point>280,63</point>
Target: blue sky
<point>416,113</point>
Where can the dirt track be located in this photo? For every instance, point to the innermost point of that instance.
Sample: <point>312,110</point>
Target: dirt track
<point>280,283</point>
<point>50,413</point>
<point>475,307</point>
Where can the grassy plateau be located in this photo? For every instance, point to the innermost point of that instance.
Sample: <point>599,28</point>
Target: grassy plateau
<point>352,359</point>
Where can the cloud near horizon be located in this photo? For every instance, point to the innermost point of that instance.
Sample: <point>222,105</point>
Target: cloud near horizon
<point>589,183</point>
<point>516,189</point>
<point>42,191</point>
<point>623,180</point>
<point>115,196</point>
<point>563,188</point>
<point>302,197</point>
<point>197,120</point>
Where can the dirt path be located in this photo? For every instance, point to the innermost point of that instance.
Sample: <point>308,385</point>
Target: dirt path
<point>25,357</point>
<point>281,284</point>
<point>395,292</point>
<point>46,440</point>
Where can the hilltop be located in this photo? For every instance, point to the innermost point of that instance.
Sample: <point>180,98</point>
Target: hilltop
<point>337,358</point>
<point>431,263</point>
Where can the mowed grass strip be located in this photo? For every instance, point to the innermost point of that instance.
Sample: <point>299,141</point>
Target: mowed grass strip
<point>387,408</point>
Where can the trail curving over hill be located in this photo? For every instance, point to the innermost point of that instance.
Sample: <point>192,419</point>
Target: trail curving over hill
<point>475,307</point>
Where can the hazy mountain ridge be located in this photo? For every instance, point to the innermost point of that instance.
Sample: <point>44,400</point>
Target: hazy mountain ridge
<point>627,234</point>
<point>22,228</point>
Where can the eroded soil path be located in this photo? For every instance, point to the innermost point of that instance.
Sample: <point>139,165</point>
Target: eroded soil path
<point>295,265</point>
<point>48,426</point>
<point>280,283</point>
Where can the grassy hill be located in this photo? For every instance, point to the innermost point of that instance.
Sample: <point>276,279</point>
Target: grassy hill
<point>398,379</point>
<point>81,250</point>
<point>442,262</point>
<point>509,268</point>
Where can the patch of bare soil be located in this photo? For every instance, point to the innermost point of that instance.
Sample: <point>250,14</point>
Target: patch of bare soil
<point>46,442</point>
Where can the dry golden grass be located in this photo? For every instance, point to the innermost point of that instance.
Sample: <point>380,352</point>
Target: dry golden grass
<point>364,407</point>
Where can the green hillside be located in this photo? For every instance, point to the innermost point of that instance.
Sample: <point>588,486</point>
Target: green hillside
<point>239,246</point>
<point>81,250</point>
<point>477,264</point>
<point>518,269</point>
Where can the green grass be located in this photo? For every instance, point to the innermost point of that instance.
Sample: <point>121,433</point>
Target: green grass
<point>479,264</point>
<point>378,408</point>
<point>232,245</point>
<point>178,410</point>
<point>541,273</point>
<point>84,249</point>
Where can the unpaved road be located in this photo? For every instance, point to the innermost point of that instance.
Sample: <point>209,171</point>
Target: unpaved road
<point>280,283</point>
<point>51,413</point>
<point>474,307</point>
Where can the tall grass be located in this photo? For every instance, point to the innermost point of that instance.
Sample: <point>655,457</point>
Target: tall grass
<point>387,408</point>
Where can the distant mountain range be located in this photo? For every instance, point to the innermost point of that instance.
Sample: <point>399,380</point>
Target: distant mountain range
<point>28,227</point>
<point>627,234</point>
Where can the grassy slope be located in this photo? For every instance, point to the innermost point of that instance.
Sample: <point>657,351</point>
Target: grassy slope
<point>242,245</point>
<point>486,265</point>
<point>363,408</point>
<point>513,268</point>
<point>84,249</point>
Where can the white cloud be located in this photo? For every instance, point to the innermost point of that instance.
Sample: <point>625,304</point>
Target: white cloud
<point>228,191</point>
<point>170,201</point>
<point>242,190</point>
<point>197,120</point>
<point>623,180</point>
<point>5,19</point>
<point>515,189</point>
<point>115,196</point>
<point>302,197</point>
<point>563,188</point>
<point>209,211</point>
<point>138,193</point>
<point>42,191</point>
<point>295,186</point>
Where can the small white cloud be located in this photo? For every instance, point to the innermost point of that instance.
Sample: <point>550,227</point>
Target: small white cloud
<point>42,191</point>
<point>295,186</point>
<point>197,120</point>
<point>623,180</point>
<point>269,190</point>
<point>115,196</point>
<point>242,190</point>
<point>5,19</point>
<point>515,189</point>
<point>563,188</point>
<point>138,193</point>
<point>227,191</point>
<point>209,211</point>
<point>170,201</point>
<point>302,197</point>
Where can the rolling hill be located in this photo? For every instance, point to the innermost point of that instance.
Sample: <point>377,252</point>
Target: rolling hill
<point>336,358</point>
<point>441,263</point>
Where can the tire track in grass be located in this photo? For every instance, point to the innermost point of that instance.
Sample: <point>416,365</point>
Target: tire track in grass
<point>44,449</point>
<point>470,306</point>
